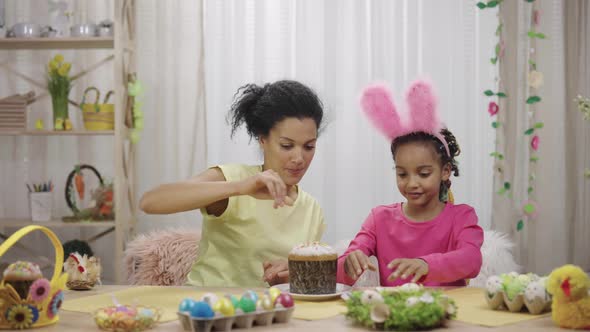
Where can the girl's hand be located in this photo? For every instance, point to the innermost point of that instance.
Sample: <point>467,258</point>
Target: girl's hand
<point>356,263</point>
<point>276,272</point>
<point>406,267</point>
<point>268,185</point>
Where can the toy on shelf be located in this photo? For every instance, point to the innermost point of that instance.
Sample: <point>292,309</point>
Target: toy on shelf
<point>570,287</point>
<point>222,313</point>
<point>407,307</point>
<point>512,291</point>
<point>36,301</point>
<point>83,271</point>
<point>126,318</point>
<point>101,204</point>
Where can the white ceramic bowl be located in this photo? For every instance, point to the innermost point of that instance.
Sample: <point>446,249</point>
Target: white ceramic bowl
<point>83,30</point>
<point>26,30</point>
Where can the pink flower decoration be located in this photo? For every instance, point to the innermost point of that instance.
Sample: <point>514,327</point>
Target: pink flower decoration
<point>502,49</point>
<point>537,17</point>
<point>535,143</point>
<point>493,108</point>
<point>39,290</point>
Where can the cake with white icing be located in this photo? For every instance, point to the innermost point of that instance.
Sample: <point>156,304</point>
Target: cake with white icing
<point>312,269</point>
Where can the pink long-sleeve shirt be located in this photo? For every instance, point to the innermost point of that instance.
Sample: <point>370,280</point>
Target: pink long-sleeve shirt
<point>450,244</point>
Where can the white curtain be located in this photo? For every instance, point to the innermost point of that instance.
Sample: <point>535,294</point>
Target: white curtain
<point>560,233</point>
<point>338,47</point>
<point>170,66</point>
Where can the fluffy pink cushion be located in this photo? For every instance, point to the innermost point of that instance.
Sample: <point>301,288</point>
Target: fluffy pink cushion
<point>162,257</point>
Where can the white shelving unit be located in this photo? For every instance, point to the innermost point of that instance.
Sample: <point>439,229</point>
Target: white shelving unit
<point>123,62</point>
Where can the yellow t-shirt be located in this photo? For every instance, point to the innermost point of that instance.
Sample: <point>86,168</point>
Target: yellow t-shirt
<point>234,245</point>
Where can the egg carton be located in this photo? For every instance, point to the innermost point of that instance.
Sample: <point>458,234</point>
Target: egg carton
<point>240,321</point>
<point>500,301</point>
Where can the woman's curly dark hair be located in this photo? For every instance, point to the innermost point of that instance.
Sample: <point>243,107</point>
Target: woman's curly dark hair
<point>261,107</point>
<point>438,146</point>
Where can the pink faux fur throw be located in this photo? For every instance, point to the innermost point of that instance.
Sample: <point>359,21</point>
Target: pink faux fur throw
<point>162,257</point>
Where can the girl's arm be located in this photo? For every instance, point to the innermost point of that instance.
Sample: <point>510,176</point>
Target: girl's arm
<point>365,241</point>
<point>465,260</point>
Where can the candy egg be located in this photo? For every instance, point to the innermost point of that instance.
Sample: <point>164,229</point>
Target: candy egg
<point>252,295</point>
<point>247,304</point>
<point>273,292</point>
<point>285,300</point>
<point>210,298</point>
<point>224,306</point>
<point>146,313</point>
<point>234,300</point>
<point>264,303</point>
<point>186,305</point>
<point>202,310</point>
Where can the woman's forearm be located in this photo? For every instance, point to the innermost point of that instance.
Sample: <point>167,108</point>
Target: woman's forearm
<point>186,196</point>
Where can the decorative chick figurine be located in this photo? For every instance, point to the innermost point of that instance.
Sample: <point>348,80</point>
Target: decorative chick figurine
<point>83,271</point>
<point>569,286</point>
<point>67,124</point>
<point>59,124</point>
<point>39,124</point>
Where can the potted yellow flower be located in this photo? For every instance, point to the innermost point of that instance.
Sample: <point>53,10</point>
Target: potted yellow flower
<point>59,84</point>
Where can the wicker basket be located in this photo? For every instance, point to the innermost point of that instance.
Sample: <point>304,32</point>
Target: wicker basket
<point>33,312</point>
<point>98,116</point>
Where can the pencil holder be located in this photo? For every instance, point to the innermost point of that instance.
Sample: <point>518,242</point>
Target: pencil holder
<point>40,305</point>
<point>41,204</point>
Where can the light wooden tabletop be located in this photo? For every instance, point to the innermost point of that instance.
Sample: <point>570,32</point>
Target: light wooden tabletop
<point>75,321</point>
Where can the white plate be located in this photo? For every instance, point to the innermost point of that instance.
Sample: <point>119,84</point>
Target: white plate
<point>340,288</point>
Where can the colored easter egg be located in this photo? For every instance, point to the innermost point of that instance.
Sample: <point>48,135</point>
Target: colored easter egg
<point>202,310</point>
<point>285,300</point>
<point>273,292</point>
<point>225,307</point>
<point>210,298</point>
<point>146,313</point>
<point>252,295</point>
<point>234,300</point>
<point>186,305</point>
<point>247,304</point>
<point>264,303</point>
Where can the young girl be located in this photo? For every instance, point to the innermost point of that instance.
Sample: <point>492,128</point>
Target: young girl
<point>254,215</point>
<point>426,239</point>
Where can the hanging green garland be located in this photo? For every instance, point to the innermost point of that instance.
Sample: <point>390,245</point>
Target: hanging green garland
<point>529,208</point>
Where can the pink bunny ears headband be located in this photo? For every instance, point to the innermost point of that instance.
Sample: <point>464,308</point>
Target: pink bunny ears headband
<point>378,105</point>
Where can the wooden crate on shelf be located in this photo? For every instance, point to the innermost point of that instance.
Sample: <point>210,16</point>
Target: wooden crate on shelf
<point>13,118</point>
<point>13,112</point>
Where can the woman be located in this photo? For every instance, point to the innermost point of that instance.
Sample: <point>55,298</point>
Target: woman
<point>254,215</point>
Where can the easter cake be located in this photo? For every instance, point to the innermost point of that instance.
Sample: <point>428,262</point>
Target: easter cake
<point>312,269</point>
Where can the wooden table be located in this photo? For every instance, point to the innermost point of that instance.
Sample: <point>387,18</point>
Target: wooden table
<point>75,321</point>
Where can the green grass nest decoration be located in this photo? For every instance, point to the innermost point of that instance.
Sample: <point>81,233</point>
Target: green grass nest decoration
<point>401,308</point>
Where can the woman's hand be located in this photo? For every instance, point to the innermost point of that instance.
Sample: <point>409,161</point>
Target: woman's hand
<point>356,263</point>
<point>276,272</point>
<point>406,267</point>
<point>269,185</point>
